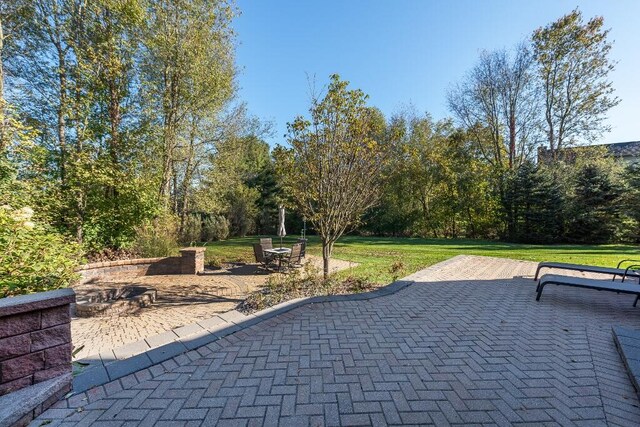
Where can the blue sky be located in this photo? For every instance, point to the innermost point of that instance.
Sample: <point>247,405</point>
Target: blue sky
<point>407,51</point>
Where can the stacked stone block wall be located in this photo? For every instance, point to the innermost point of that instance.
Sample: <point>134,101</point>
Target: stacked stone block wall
<point>35,338</point>
<point>190,261</point>
<point>130,268</point>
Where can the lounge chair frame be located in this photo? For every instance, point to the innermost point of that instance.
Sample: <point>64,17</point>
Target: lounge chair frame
<point>580,282</point>
<point>629,271</point>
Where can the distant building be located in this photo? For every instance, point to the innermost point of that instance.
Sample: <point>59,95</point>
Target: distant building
<point>627,152</point>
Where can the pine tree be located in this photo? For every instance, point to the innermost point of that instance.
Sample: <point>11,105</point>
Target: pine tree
<point>595,215</point>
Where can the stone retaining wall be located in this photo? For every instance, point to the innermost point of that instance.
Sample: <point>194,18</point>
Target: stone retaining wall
<point>130,268</point>
<point>191,261</point>
<point>35,338</point>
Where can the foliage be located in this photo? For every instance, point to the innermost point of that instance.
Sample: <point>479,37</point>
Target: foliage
<point>436,182</point>
<point>191,230</point>
<point>300,284</point>
<point>497,103</point>
<point>32,258</point>
<point>596,205</point>
<point>127,97</point>
<point>157,237</point>
<point>537,204</point>
<point>242,210</point>
<point>215,227</point>
<point>573,67</point>
<point>631,202</point>
<point>333,169</point>
<point>189,71</point>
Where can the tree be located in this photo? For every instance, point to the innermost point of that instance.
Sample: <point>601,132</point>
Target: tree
<point>632,199</point>
<point>538,205</point>
<point>333,169</point>
<point>497,103</point>
<point>596,204</point>
<point>573,67</point>
<point>189,73</point>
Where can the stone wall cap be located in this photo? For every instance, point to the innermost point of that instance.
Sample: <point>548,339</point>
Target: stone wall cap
<point>135,261</point>
<point>37,301</point>
<point>194,249</point>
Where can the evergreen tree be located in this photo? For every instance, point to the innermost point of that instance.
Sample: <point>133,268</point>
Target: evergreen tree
<point>595,215</point>
<point>631,203</point>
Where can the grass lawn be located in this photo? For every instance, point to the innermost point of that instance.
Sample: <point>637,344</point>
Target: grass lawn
<point>376,255</point>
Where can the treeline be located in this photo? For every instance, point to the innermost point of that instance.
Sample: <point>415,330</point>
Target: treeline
<point>440,186</point>
<point>478,175</point>
<point>121,130</point>
<point>121,127</point>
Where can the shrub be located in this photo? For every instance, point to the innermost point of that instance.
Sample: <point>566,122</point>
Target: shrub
<point>213,261</point>
<point>396,269</point>
<point>215,227</point>
<point>301,283</point>
<point>242,210</point>
<point>33,258</point>
<point>157,238</point>
<point>191,229</point>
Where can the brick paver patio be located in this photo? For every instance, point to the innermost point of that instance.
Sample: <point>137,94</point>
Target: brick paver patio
<point>182,299</point>
<point>465,344</point>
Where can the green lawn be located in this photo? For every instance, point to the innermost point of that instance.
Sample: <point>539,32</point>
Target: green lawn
<point>376,255</point>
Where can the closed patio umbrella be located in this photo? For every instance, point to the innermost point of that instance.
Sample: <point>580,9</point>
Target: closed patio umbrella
<point>281,231</point>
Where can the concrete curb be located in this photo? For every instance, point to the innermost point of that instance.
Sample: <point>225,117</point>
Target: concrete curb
<point>109,366</point>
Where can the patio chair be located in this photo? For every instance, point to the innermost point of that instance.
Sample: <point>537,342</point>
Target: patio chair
<point>267,243</point>
<point>303,251</point>
<point>258,252</point>
<point>579,282</point>
<point>295,257</point>
<point>629,271</point>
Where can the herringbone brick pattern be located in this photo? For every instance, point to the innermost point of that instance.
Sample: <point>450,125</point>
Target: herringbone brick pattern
<point>466,344</point>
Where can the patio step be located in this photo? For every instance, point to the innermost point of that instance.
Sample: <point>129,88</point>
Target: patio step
<point>21,407</point>
<point>628,343</point>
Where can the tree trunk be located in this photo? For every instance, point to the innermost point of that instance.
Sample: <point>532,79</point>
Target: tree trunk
<point>327,248</point>
<point>62,139</point>
<point>512,140</point>
<point>3,143</point>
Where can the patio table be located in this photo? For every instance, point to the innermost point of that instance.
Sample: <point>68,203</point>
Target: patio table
<point>279,252</point>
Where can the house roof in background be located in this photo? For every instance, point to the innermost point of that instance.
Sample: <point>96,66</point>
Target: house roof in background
<point>617,149</point>
<point>625,149</point>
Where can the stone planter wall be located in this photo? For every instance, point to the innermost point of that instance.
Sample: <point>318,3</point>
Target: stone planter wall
<point>35,338</point>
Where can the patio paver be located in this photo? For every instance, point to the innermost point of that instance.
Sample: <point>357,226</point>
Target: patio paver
<point>466,343</point>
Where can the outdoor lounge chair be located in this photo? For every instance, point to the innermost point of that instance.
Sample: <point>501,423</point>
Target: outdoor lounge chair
<point>258,252</point>
<point>580,282</point>
<point>618,271</point>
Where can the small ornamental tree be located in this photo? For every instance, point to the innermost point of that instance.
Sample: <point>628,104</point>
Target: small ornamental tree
<point>333,169</point>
